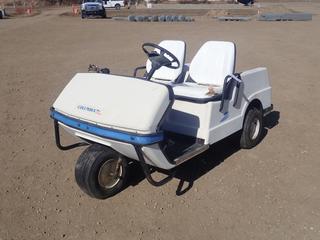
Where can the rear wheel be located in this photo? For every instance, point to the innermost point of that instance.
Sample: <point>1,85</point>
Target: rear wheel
<point>252,129</point>
<point>101,172</point>
<point>1,15</point>
<point>117,6</point>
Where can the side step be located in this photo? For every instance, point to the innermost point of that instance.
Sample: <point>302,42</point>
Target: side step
<point>191,152</point>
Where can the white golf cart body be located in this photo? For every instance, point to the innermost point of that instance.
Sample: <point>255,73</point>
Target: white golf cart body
<point>137,118</point>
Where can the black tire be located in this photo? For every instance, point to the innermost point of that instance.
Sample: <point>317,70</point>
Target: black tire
<point>154,19</point>
<point>162,18</point>
<point>83,15</point>
<point>95,171</point>
<point>139,18</point>
<point>104,15</point>
<point>1,15</point>
<point>132,18</point>
<point>252,129</point>
<point>117,6</point>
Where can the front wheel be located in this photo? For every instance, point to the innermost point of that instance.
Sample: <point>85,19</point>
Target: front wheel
<point>101,172</point>
<point>252,129</point>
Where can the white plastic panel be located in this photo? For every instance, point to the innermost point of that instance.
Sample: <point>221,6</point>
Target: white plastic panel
<point>189,118</point>
<point>213,62</point>
<point>177,48</point>
<point>154,156</point>
<point>116,102</point>
<point>257,85</point>
<point>125,149</point>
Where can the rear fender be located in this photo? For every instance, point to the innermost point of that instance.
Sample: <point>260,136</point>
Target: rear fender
<point>256,88</point>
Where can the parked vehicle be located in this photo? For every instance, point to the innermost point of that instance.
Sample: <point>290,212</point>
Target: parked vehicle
<point>93,8</point>
<point>246,2</point>
<point>173,113</point>
<point>117,4</point>
<point>2,13</point>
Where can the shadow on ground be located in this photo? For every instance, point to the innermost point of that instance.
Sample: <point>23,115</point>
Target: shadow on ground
<point>198,166</point>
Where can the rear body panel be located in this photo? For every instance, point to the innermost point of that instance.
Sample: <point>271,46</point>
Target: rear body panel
<point>205,121</point>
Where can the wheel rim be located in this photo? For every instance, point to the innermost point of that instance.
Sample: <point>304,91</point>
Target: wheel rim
<point>110,173</point>
<point>255,128</point>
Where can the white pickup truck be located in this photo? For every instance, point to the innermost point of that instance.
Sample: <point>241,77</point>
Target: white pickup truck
<point>92,8</point>
<point>117,4</point>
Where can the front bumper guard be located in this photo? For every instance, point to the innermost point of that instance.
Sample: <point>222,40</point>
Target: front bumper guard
<point>138,141</point>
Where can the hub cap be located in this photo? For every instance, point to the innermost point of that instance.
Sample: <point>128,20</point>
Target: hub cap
<point>110,173</point>
<point>255,128</point>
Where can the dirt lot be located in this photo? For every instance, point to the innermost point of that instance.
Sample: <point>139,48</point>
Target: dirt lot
<point>269,192</point>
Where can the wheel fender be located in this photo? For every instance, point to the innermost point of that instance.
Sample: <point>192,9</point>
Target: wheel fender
<point>253,103</point>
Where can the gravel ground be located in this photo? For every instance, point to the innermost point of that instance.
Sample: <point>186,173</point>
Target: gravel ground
<point>269,192</point>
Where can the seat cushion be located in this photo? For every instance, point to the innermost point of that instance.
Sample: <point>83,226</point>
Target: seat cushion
<point>213,62</point>
<point>177,48</point>
<point>194,90</point>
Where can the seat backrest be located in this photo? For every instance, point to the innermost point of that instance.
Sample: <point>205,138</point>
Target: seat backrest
<point>213,62</point>
<point>177,48</point>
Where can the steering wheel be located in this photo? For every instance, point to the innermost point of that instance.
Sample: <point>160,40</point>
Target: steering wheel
<point>159,60</point>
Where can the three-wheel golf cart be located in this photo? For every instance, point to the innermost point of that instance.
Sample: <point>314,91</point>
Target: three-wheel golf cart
<point>168,116</point>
